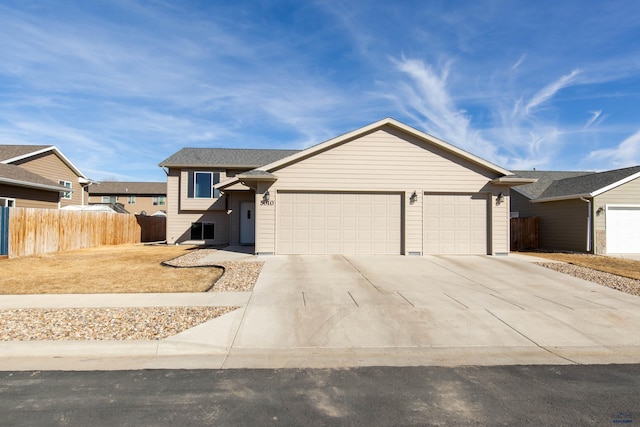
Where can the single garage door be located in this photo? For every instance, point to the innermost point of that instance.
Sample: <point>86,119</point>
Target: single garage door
<point>338,223</point>
<point>623,229</point>
<point>455,224</point>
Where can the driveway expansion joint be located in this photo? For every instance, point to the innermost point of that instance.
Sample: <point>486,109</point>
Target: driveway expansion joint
<point>531,340</point>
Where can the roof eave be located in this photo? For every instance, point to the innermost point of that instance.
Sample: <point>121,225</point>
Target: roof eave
<point>615,184</point>
<point>559,198</point>
<point>28,184</point>
<point>513,181</point>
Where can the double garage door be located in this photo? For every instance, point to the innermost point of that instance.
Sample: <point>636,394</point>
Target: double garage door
<point>623,229</point>
<point>366,223</point>
<point>339,223</point>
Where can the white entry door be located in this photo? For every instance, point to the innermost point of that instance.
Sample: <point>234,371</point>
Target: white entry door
<point>247,223</point>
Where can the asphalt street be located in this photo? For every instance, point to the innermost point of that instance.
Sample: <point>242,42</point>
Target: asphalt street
<point>499,395</point>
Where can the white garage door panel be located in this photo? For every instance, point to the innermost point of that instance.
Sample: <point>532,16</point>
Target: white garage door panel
<point>455,224</point>
<point>623,229</point>
<point>339,223</point>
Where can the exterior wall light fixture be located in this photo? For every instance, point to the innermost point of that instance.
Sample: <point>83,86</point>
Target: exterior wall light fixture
<point>500,199</point>
<point>266,196</point>
<point>413,198</point>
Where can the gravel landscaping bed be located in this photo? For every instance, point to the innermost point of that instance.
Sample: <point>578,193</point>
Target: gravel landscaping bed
<point>624,284</point>
<point>147,323</point>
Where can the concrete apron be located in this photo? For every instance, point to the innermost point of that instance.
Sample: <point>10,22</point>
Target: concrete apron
<point>336,311</point>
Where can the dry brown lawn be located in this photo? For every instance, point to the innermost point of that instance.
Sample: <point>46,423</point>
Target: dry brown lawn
<point>105,269</point>
<point>618,266</point>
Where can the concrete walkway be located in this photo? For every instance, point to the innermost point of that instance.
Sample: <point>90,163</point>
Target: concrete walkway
<point>337,311</point>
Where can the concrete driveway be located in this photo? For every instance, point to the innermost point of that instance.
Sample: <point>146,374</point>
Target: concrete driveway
<point>330,311</point>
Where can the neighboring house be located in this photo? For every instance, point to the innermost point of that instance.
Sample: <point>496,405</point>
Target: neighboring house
<point>21,188</point>
<point>33,176</point>
<point>386,188</point>
<point>135,197</point>
<point>583,211</point>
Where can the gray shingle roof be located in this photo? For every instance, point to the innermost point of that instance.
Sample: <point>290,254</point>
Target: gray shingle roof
<point>559,184</point>
<point>248,158</point>
<point>15,175</point>
<point>587,184</point>
<point>11,151</point>
<point>133,188</point>
<point>545,179</point>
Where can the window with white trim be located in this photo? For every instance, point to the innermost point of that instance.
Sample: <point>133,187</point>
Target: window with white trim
<point>7,202</point>
<point>67,184</point>
<point>131,200</point>
<point>159,200</point>
<point>201,185</point>
<point>108,199</point>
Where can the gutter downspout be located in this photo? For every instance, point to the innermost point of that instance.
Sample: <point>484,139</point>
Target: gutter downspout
<point>589,218</point>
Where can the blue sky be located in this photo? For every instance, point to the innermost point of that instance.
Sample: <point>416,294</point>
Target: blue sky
<point>120,85</point>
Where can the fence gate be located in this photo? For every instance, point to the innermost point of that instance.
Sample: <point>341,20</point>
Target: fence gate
<point>4,231</point>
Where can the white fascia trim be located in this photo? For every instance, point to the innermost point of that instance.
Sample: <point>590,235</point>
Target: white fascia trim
<point>569,197</point>
<point>616,184</point>
<point>27,184</point>
<point>44,150</point>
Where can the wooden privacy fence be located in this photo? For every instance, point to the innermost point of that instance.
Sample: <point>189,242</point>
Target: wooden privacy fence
<point>152,228</point>
<point>37,231</point>
<point>524,233</point>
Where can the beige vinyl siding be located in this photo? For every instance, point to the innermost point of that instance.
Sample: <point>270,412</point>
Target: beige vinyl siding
<point>386,160</point>
<point>266,220</point>
<point>499,223</point>
<point>179,220</point>
<point>30,197</point>
<point>50,166</point>
<point>173,202</point>
<point>625,194</point>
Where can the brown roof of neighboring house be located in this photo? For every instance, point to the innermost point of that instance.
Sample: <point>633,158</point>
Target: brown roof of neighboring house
<point>133,188</point>
<point>11,151</point>
<point>15,175</point>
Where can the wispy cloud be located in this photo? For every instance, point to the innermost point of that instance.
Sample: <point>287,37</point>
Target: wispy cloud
<point>426,97</point>
<point>625,154</point>
<point>546,93</point>
<point>595,115</point>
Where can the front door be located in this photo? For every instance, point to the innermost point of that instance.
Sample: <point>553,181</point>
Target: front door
<point>247,223</point>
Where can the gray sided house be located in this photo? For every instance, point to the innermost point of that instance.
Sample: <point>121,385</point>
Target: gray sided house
<point>583,211</point>
<point>385,188</point>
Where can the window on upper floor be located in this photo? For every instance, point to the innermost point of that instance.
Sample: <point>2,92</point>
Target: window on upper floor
<point>67,184</point>
<point>108,199</point>
<point>201,185</point>
<point>159,200</point>
<point>131,200</point>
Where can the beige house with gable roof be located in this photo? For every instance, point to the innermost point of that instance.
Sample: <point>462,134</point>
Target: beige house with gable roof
<point>385,188</point>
